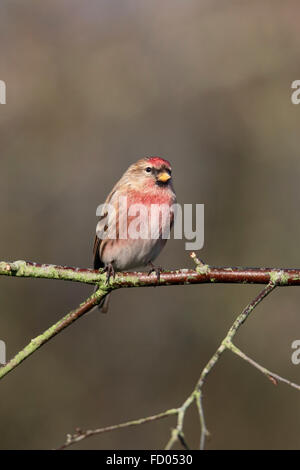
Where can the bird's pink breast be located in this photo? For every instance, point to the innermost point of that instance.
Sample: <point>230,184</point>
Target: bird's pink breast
<point>162,196</point>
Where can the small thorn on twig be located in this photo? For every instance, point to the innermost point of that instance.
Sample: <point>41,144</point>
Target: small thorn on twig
<point>273,380</point>
<point>197,261</point>
<point>201,267</point>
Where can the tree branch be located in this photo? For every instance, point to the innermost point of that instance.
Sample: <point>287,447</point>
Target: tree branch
<point>202,274</point>
<point>38,341</point>
<point>177,433</point>
<point>226,344</point>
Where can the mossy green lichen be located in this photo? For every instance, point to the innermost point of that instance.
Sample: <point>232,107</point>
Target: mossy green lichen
<point>20,267</point>
<point>203,269</point>
<point>279,278</point>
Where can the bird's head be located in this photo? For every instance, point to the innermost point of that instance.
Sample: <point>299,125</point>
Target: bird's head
<point>152,172</point>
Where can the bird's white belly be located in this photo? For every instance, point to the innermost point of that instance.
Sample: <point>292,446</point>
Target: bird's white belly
<point>133,253</point>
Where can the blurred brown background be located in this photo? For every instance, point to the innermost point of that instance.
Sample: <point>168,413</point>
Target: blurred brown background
<point>92,87</point>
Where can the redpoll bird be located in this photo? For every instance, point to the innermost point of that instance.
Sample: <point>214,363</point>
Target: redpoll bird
<point>135,219</point>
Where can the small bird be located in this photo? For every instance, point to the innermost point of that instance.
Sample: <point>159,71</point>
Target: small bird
<point>146,183</point>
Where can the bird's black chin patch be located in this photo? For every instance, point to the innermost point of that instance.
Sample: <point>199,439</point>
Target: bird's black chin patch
<point>161,184</point>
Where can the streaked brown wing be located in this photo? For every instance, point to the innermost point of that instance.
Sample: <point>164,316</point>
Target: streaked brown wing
<point>96,250</point>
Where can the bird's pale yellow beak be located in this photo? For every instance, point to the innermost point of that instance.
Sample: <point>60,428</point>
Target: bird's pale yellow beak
<point>163,177</point>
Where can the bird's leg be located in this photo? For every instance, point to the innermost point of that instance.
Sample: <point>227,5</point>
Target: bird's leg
<point>155,269</point>
<point>109,269</point>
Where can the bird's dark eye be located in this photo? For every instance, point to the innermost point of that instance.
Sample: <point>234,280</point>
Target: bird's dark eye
<point>148,169</point>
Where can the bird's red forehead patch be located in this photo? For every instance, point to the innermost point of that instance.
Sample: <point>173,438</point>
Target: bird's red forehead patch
<point>158,161</point>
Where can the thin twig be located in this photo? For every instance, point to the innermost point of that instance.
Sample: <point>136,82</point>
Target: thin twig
<point>38,341</point>
<point>203,429</point>
<point>80,435</point>
<point>177,433</point>
<point>275,378</point>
